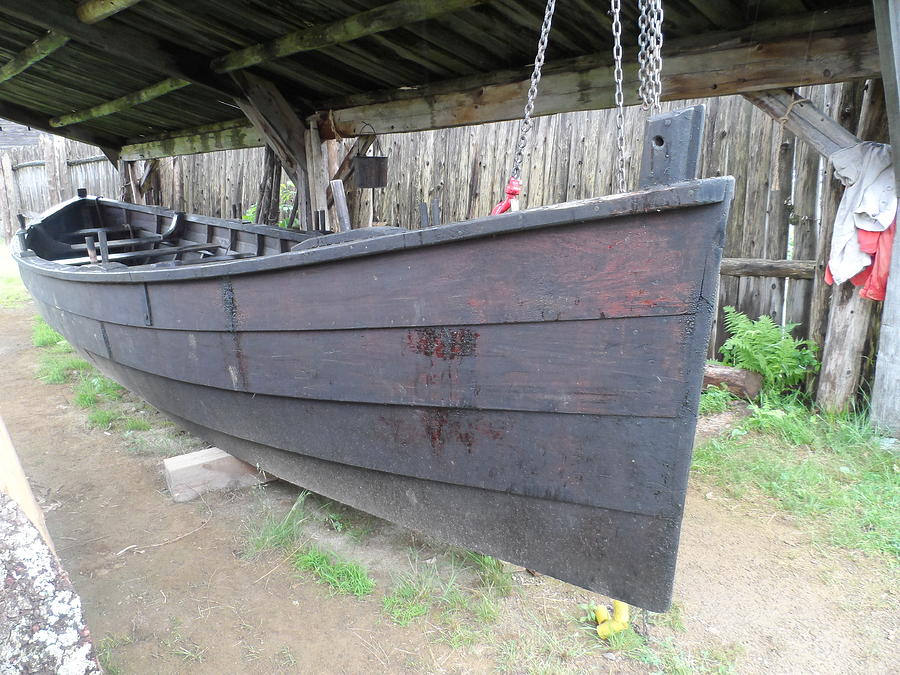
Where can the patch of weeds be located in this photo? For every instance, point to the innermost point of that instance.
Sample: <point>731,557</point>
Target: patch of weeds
<point>12,291</point>
<point>284,658</point>
<point>93,389</point>
<point>185,648</point>
<point>486,609</point>
<point>715,400</point>
<point>102,419</point>
<point>828,470</point>
<point>673,619</point>
<point>105,648</point>
<point>492,573</point>
<point>274,532</point>
<point>133,423</point>
<point>42,335</point>
<point>667,657</point>
<point>60,368</point>
<point>345,577</point>
<point>336,521</point>
<point>410,598</point>
<point>542,651</point>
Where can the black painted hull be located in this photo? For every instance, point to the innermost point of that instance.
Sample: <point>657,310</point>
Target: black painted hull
<point>524,385</point>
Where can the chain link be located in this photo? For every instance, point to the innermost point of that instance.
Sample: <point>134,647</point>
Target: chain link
<point>616,6</point>
<point>650,43</point>
<point>527,123</point>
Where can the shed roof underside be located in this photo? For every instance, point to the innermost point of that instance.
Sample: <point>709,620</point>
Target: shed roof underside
<point>469,65</point>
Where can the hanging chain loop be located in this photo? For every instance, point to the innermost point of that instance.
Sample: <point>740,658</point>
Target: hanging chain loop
<point>527,123</point>
<point>650,44</point>
<point>616,6</point>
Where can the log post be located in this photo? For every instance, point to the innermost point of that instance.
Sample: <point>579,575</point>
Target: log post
<point>886,388</point>
<point>850,317</point>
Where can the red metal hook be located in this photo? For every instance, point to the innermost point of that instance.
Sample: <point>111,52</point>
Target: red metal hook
<point>513,189</point>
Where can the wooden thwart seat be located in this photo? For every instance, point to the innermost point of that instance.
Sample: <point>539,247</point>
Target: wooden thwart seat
<point>124,243</point>
<point>151,253</point>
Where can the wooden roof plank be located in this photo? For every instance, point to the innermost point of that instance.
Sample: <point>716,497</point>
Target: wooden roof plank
<point>92,11</point>
<point>122,103</point>
<point>41,48</point>
<point>378,20</point>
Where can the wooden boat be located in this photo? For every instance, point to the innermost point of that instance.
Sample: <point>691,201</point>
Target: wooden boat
<point>525,384</point>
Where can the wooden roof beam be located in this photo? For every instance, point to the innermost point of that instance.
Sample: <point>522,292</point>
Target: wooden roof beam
<point>208,138</point>
<point>387,17</point>
<point>39,49</point>
<point>122,103</point>
<point>108,144</point>
<point>587,83</point>
<point>92,11</point>
<point>120,41</point>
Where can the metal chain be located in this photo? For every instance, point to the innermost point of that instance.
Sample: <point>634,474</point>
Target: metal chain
<point>527,123</point>
<point>650,43</point>
<point>616,6</point>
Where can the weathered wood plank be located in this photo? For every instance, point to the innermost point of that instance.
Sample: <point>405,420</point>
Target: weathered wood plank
<point>125,102</point>
<point>195,473</point>
<point>801,117</point>
<point>386,17</point>
<point>231,138</point>
<point>36,51</point>
<point>758,267</point>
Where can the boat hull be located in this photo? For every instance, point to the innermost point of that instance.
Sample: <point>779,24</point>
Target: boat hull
<point>526,385</point>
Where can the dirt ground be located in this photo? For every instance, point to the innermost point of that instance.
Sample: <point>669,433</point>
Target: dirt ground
<point>171,590</point>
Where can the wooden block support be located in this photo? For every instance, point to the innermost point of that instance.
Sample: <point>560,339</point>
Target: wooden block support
<point>743,383</point>
<point>189,476</point>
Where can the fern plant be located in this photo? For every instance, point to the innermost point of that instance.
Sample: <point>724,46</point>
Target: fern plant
<point>768,349</point>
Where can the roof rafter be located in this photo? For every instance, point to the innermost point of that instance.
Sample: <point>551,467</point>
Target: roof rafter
<point>122,103</point>
<point>41,48</point>
<point>120,41</point>
<point>386,17</point>
<point>92,11</point>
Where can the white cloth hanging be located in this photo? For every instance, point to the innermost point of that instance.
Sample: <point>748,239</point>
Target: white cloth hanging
<point>869,203</point>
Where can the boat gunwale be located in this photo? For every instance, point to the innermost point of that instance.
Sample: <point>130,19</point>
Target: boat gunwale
<point>687,194</point>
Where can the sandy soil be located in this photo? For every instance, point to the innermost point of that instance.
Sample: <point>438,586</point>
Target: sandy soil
<point>169,585</point>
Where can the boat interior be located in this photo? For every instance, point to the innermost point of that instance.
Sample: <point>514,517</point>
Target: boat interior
<point>91,231</point>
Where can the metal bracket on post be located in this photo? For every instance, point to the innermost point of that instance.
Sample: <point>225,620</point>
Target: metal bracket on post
<point>672,147</point>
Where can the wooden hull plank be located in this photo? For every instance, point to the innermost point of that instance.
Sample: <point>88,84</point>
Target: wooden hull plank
<point>635,465</point>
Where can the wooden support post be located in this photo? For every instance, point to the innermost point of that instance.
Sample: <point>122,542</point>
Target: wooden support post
<point>340,206</point>
<point>14,483</point>
<point>886,388</point>
<point>849,320</point>
<point>37,50</point>
<point>317,176</point>
<point>274,118</point>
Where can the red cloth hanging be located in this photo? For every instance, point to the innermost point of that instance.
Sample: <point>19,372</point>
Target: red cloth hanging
<point>872,278</point>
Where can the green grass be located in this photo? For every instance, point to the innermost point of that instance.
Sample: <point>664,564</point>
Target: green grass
<point>102,419</point>
<point>715,400</point>
<point>665,656</point>
<point>828,470</point>
<point>278,532</point>
<point>409,599</point>
<point>94,389</point>
<point>54,368</point>
<point>344,577</point>
<point>42,335</point>
<point>492,573</point>
<point>12,292</point>
<point>132,423</point>
<point>105,648</point>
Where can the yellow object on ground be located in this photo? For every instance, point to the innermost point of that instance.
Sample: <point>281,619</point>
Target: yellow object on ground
<point>607,626</point>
